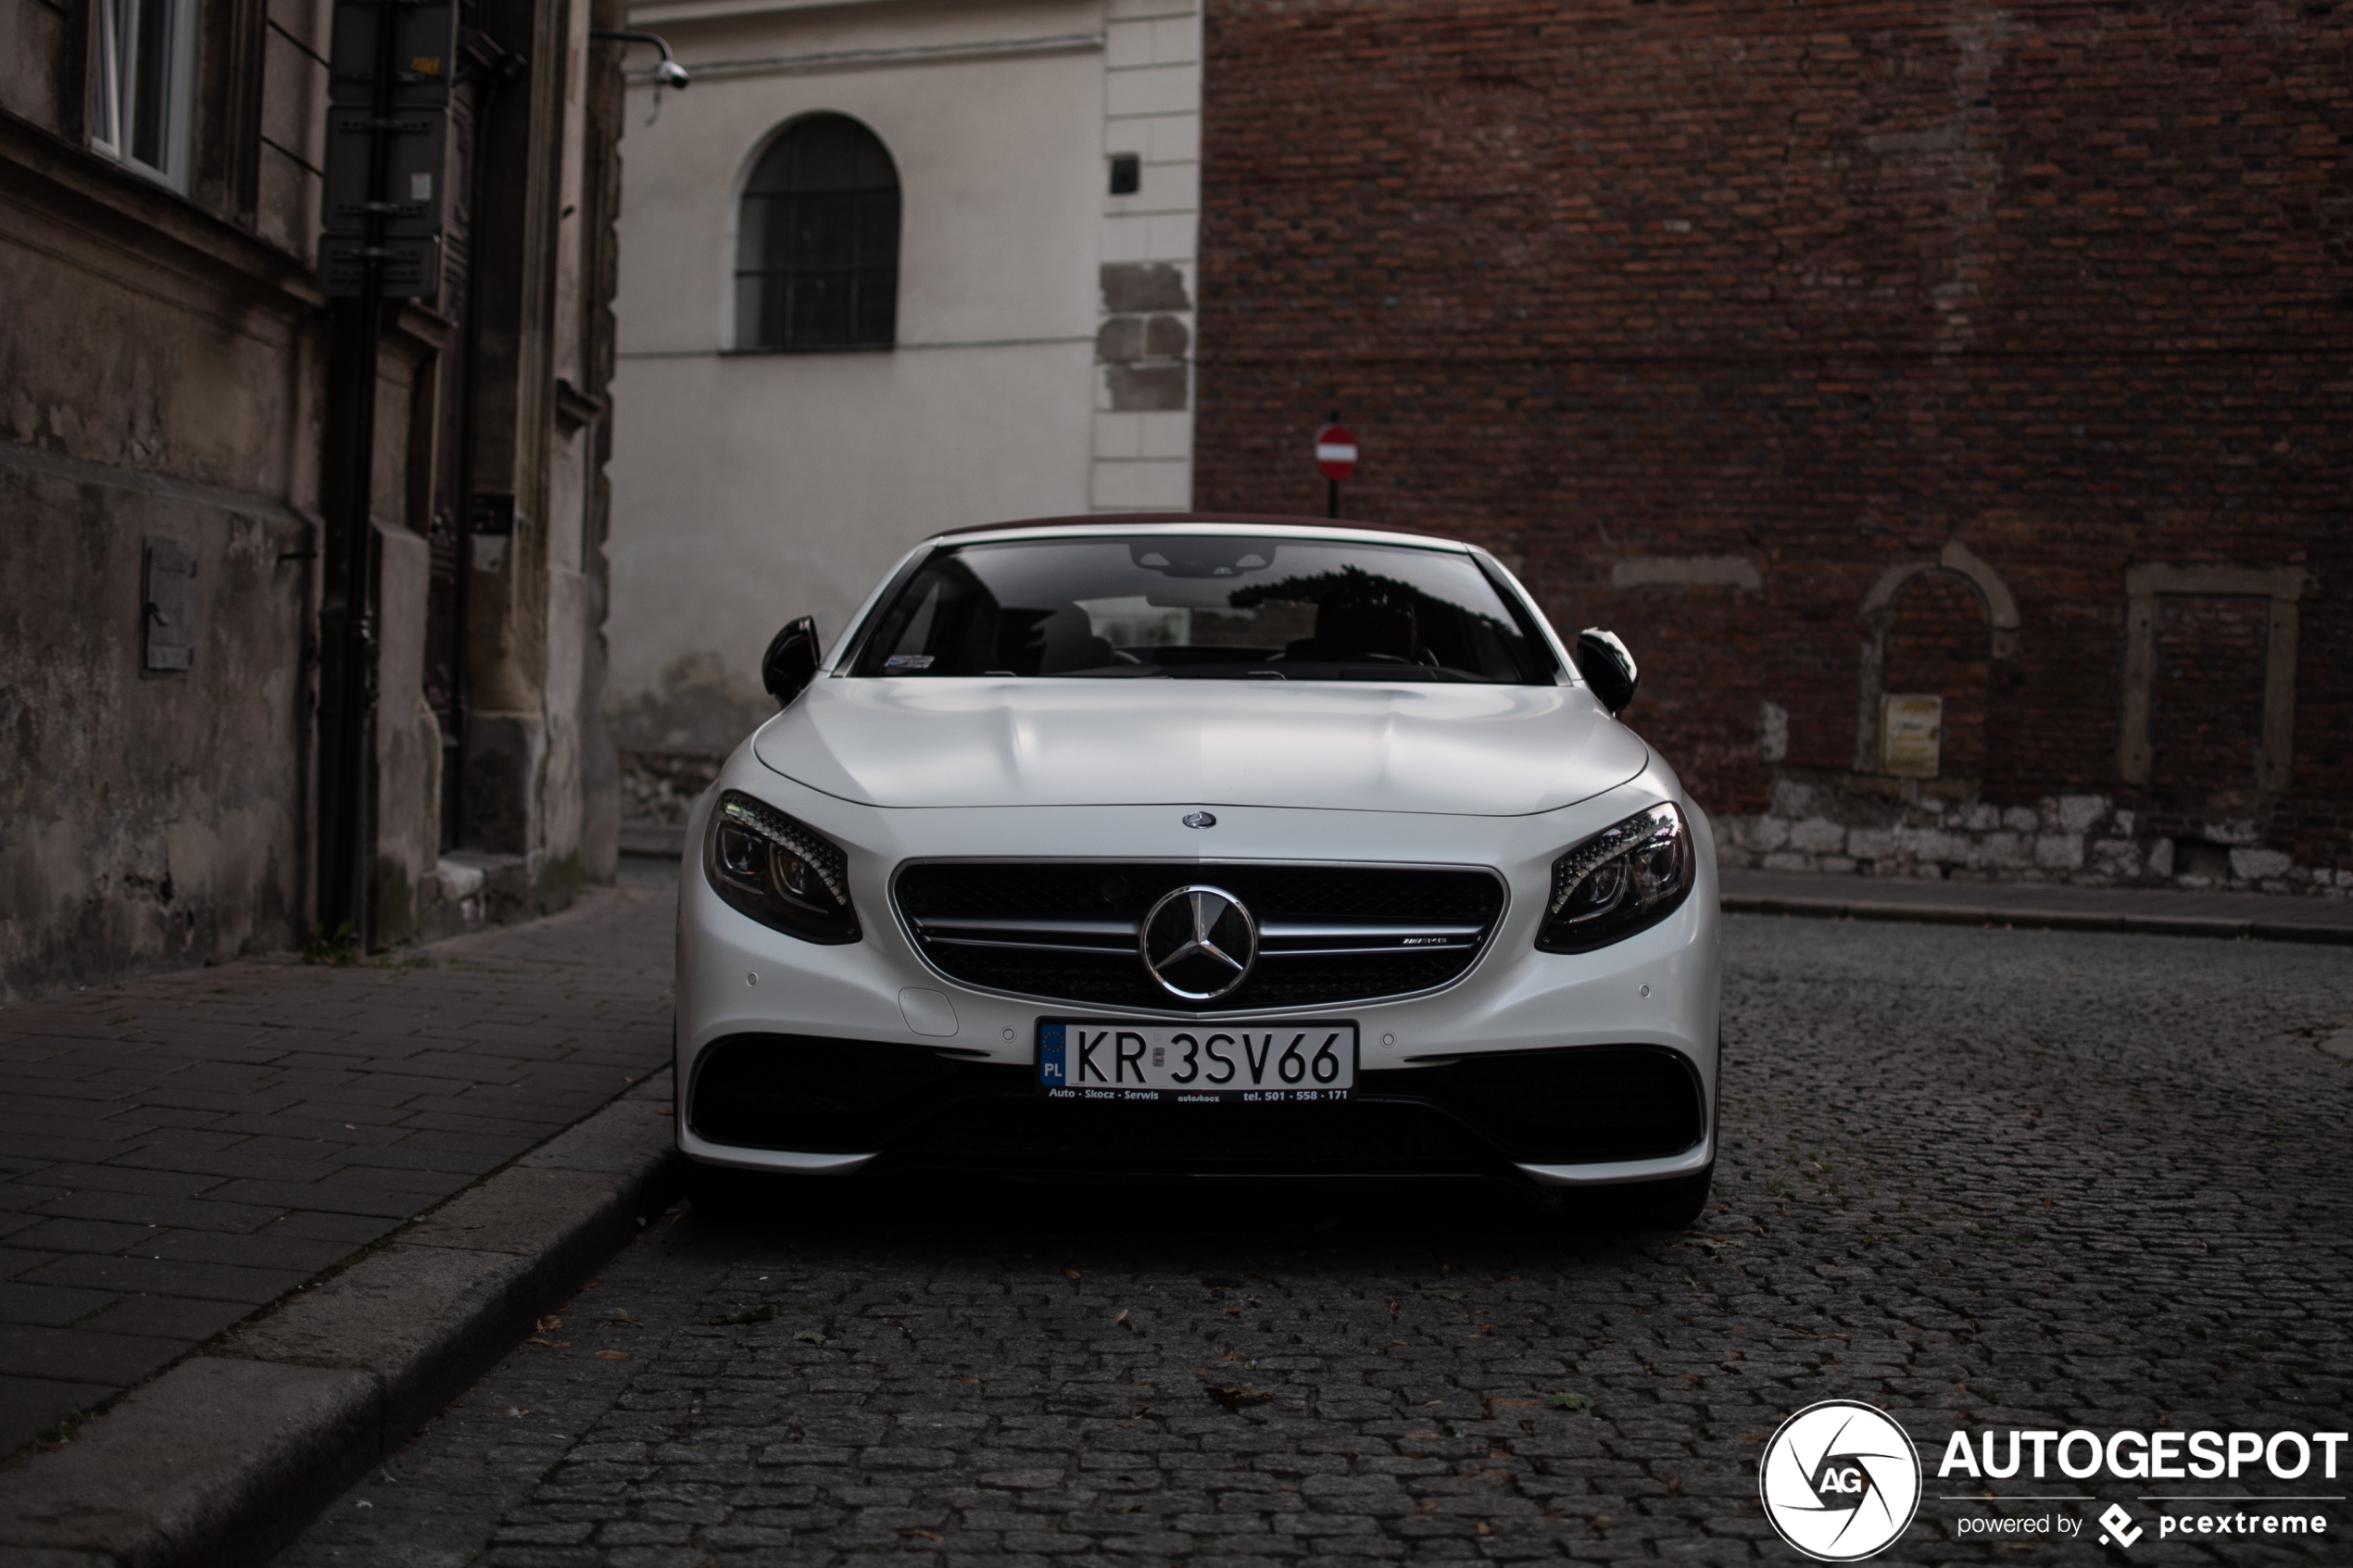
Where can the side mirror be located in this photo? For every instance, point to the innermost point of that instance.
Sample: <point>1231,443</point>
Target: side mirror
<point>790,663</point>
<point>1608,668</point>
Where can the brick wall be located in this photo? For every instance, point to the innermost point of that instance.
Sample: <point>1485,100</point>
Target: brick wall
<point>1719,319</point>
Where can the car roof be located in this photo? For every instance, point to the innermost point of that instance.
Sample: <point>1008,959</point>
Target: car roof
<point>1238,524</point>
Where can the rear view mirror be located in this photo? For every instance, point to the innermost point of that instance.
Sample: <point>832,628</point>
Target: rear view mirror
<point>790,663</point>
<point>1608,668</point>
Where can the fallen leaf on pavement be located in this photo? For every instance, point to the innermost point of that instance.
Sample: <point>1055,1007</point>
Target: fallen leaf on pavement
<point>811,1336</point>
<point>612,1355</point>
<point>747,1314</point>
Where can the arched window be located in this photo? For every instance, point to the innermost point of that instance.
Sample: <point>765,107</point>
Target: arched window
<point>817,255</point>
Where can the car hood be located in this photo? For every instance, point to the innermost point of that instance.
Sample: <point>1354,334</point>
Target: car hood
<point>1465,749</point>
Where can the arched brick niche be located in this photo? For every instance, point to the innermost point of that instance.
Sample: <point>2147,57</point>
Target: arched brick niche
<point>1917,622</point>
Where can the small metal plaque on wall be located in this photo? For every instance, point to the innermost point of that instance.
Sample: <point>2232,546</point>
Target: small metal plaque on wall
<point>1911,732</point>
<point>168,642</point>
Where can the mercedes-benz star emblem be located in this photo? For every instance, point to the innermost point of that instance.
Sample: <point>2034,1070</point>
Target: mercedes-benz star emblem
<point>1198,943</point>
<point>1200,820</point>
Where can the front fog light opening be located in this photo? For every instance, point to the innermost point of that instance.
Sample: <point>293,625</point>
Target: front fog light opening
<point>1625,878</point>
<point>779,872</point>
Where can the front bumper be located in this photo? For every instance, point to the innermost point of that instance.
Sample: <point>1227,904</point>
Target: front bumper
<point>1615,1042</point>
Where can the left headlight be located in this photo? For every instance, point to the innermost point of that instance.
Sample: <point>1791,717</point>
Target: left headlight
<point>1625,878</point>
<point>781,873</point>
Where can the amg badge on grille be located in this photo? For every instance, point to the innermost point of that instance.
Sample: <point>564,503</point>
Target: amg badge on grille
<point>1200,820</point>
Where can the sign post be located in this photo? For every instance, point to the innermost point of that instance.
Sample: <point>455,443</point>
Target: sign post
<point>1335,459</point>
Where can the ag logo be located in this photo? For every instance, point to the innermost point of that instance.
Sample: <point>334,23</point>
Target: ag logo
<point>1840,1481</point>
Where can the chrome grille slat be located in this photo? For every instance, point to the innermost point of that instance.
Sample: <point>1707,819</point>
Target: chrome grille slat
<point>1066,931</point>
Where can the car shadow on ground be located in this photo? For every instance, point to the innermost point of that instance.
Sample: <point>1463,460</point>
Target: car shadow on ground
<point>1176,1227</point>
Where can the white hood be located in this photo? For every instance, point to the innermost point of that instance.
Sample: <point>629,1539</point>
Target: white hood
<point>1483,750</point>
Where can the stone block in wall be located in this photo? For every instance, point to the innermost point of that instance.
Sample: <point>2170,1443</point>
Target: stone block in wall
<point>2079,813</point>
<point>1816,836</point>
<point>1787,860</point>
<point>1145,386</point>
<point>1870,843</point>
<point>1936,847</point>
<point>2254,865</point>
<point>1791,799</point>
<point>2003,851</point>
<point>2162,857</point>
<point>1975,816</point>
<point>1143,285</point>
<point>1761,834</point>
<point>2021,819</point>
<point>505,754</point>
<point>2058,851</point>
<point>2118,857</point>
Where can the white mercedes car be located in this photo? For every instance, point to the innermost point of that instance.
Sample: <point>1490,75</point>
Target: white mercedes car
<point>1200,844</point>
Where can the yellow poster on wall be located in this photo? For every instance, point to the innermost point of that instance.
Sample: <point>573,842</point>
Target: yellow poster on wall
<point>1911,733</point>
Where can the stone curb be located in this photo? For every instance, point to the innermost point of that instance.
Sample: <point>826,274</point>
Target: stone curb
<point>2048,919</point>
<point>225,1458</point>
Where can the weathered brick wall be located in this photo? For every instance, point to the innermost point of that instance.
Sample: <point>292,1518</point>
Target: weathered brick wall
<point>1794,294</point>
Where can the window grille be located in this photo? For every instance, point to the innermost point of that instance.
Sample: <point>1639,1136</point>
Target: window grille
<point>817,254</point>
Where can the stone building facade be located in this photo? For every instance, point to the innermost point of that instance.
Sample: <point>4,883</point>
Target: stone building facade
<point>1843,356</point>
<point>164,356</point>
<point>1024,345</point>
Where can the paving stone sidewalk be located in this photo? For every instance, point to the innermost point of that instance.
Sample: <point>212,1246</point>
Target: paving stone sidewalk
<point>2315,919</point>
<point>178,1152</point>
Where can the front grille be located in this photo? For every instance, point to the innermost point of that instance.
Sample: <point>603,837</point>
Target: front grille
<point>1065,930</point>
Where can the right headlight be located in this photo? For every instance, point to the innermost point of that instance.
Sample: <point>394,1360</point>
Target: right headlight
<point>1625,878</point>
<point>778,871</point>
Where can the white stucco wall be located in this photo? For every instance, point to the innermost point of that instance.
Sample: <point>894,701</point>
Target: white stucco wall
<point>752,487</point>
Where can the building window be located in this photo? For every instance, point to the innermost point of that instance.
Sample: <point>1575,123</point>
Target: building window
<point>817,257</point>
<point>140,113</point>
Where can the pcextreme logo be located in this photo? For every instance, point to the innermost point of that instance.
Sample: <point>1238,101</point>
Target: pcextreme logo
<point>1840,1481</point>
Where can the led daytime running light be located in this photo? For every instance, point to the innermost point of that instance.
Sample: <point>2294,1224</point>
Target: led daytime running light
<point>827,862</point>
<point>1657,826</point>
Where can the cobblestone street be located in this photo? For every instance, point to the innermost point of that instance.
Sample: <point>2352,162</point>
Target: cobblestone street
<point>1979,1178</point>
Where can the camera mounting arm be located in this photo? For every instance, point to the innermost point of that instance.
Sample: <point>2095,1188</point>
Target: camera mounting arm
<point>669,73</point>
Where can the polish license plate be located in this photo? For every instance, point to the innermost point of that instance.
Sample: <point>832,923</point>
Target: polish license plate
<point>1197,1064</point>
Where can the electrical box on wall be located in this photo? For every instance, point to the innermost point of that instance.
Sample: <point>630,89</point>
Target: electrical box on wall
<point>168,599</point>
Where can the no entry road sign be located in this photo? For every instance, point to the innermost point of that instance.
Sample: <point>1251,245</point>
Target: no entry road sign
<point>1335,452</point>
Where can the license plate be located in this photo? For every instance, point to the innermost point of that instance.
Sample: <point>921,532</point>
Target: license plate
<point>1198,1064</point>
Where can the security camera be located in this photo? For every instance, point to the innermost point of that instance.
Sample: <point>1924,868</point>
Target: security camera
<point>670,73</point>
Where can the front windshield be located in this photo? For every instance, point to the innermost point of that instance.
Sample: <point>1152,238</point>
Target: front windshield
<point>1203,607</point>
